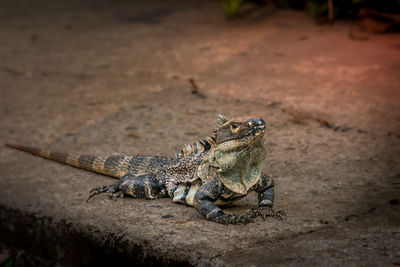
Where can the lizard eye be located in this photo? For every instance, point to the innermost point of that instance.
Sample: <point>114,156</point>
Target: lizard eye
<point>234,127</point>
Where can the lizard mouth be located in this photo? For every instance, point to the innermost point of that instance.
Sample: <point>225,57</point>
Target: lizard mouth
<point>259,130</point>
<point>255,134</point>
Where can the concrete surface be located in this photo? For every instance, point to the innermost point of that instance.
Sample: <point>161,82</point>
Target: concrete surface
<point>107,77</point>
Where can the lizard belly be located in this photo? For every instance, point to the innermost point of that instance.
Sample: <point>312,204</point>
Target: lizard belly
<point>184,193</point>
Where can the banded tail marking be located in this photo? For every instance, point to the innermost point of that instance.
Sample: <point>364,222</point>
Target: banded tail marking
<point>114,166</point>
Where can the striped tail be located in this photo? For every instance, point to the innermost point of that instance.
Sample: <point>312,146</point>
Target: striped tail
<point>104,165</point>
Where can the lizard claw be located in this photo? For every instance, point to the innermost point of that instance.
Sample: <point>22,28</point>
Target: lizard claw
<point>265,212</point>
<point>96,191</point>
<point>113,192</point>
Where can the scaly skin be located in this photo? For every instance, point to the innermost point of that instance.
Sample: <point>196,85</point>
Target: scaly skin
<point>208,174</point>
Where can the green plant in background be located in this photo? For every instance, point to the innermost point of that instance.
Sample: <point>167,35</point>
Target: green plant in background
<point>321,10</point>
<point>9,262</point>
<point>231,7</point>
<point>317,8</point>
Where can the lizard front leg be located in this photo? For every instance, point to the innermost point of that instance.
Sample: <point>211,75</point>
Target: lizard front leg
<point>265,190</point>
<point>204,200</point>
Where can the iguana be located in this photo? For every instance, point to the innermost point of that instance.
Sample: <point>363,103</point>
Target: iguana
<point>216,171</point>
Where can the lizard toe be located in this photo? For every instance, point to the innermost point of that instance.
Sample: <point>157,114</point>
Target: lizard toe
<point>115,195</point>
<point>265,212</point>
<point>102,189</point>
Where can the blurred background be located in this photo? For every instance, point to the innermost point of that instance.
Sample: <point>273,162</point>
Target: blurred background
<point>147,77</point>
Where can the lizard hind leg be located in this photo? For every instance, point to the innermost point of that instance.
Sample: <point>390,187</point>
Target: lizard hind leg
<point>143,186</point>
<point>113,190</point>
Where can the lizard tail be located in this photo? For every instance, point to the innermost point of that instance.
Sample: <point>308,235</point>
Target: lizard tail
<point>111,166</point>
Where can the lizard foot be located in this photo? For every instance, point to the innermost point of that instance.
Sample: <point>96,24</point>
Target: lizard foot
<point>114,193</point>
<point>114,196</point>
<point>228,218</point>
<point>266,211</point>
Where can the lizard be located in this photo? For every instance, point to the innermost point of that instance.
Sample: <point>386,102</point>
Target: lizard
<point>208,174</point>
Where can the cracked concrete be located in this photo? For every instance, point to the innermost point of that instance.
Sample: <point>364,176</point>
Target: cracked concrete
<point>101,78</point>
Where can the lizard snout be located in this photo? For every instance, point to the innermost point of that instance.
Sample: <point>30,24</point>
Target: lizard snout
<point>257,123</point>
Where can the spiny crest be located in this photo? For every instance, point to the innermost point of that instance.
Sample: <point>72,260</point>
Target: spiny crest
<point>202,145</point>
<point>196,147</point>
<point>221,119</point>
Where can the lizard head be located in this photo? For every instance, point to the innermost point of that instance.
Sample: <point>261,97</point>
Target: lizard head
<point>239,132</point>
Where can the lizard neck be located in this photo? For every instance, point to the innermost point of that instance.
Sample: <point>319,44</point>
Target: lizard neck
<point>240,169</point>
